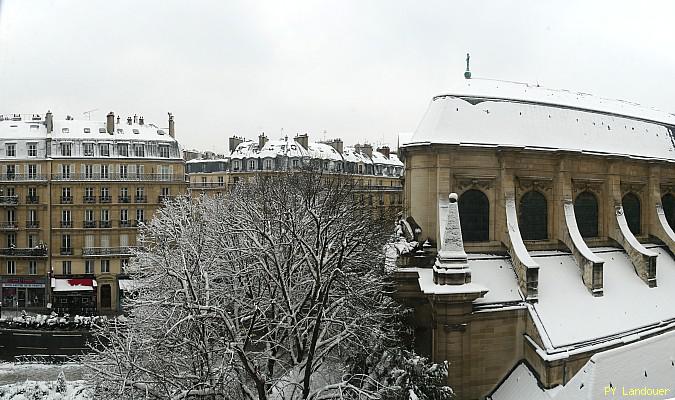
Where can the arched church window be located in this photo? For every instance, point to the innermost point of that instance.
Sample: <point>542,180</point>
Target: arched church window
<point>668,203</point>
<point>474,216</point>
<point>533,216</point>
<point>586,212</point>
<point>631,210</point>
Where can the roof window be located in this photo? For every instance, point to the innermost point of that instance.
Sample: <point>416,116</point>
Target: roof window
<point>160,132</point>
<point>87,130</point>
<point>135,131</point>
<point>34,127</point>
<point>120,131</point>
<point>101,130</point>
<point>65,130</point>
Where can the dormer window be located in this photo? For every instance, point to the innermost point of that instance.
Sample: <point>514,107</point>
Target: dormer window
<point>296,163</point>
<point>88,149</point>
<point>87,130</point>
<point>10,150</point>
<point>163,151</point>
<point>65,130</point>
<point>102,130</point>
<point>139,150</point>
<point>120,131</point>
<point>251,165</point>
<point>123,149</point>
<point>104,149</point>
<point>235,165</point>
<point>135,131</point>
<point>160,132</point>
<point>32,149</point>
<point>66,149</point>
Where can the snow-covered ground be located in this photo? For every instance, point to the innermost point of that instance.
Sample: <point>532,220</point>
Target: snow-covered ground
<point>22,381</point>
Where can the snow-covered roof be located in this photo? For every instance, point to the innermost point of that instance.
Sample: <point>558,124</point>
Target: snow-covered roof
<point>647,363</point>
<point>351,155</point>
<point>82,130</point>
<point>495,113</point>
<point>323,151</point>
<point>73,285</point>
<point>628,303</point>
<point>379,158</point>
<point>521,384</point>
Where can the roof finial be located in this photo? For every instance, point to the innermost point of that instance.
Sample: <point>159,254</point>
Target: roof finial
<point>467,73</point>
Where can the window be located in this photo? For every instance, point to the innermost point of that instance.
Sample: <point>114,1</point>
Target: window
<point>296,163</point>
<point>89,192</point>
<point>104,171</point>
<point>668,203</point>
<point>533,216</point>
<point>65,195</point>
<point>89,214</point>
<point>88,149</point>
<point>11,267</point>
<point>165,192</point>
<point>139,150</point>
<point>65,171</point>
<point>235,165</point>
<point>268,164</point>
<point>66,149</point>
<point>66,267</point>
<point>105,215</point>
<point>221,181</point>
<point>123,171</point>
<point>10,149</point>
<point>105,193</point>
<point>251,165</point>
<point>65,130</point>
<point>65,215</point>
<point>88,171</point>
<point>87,130</point>
<point>11,171</point>
<point>32,149</point>
<point>474,216</point>
<point>204,180</point>
<point>32,240</point>
<point>631,211</point>
<point>163,151</point>
<point>104,149</point>
<point>140,215</point>
<point>124,192</point>
<point>89,266</point>
<point>11,215</point>
<point>32,267</point>
<point>32,171</point>
<point>122,149</point>
<point>11,240</point>
<point>105,266</point>
<point>124,215</point>
<point>586,213</point>
<point>140,192</point>
<point>165,172</point>
<point>65,241</point>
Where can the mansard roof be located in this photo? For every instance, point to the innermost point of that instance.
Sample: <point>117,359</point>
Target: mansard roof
<point>495,113</point>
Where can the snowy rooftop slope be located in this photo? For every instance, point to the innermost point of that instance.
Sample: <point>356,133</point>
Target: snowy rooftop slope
<point>647,363</point>
<point>570,314</point>
<point>82,129</point>
<point>521,384</point>
<point>516,115</point>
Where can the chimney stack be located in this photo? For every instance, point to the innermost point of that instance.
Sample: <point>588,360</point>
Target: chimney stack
<point>118,120</point>
<point>128,120</point>
<point>368,150</point>
<point>385,151</point>
<point>234,142</point>
<point>337,145</point>
<point>262,139</point>
<point>110,122</point>
<point>49,121</point>
<point>172,128</point>
<point>135,118</point>
<point>140,120</point>
<point>303,140</point>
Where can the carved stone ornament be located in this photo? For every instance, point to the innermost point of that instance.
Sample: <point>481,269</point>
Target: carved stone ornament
<point>541,184</point>
<point>591,185</point>
<point>635,187</point>
<point>464,182</point>
<point>667,188</point>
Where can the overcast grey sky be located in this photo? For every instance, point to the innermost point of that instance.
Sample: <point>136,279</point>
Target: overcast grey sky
<point>360,70</point>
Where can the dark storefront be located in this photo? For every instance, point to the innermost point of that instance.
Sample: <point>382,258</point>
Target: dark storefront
<point>23,293</point>
<point>74,296</point>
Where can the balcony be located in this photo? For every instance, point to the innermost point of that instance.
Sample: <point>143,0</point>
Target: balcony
<point>90,224</point>
<point>141,199</point>
<point>66,251</point>
<point>22,177</point>
<point>105,199</point>
<point>108,251</point>
<point>124,199</point>
<point>66,199</point>
<point>89,199</point>
<point>32,224</point>
<point>178,178</point>
<point>9,225</point>
<point>138,222</point>
<point>9,200</point>
<point>32,199</point>
<point>105,224</point>
<point>163,198</point>
<point>125,224</point>
<point>66,224</point>
<point>24,252</point>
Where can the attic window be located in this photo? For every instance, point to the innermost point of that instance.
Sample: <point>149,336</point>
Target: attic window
<point>101,130</point>
<point>120,131</point>
<point>34,127</point>
<point>135,131</point>
<point>87,130</point>
<point>65,130</point>
<point>160,132</point>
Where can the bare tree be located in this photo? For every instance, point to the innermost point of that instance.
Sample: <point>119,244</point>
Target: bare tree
<point>259,294</point>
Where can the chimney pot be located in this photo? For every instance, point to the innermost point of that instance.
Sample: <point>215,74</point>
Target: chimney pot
<point>140,120</point>
<point>262,139</point>
<point>128,120</point>
<point>135,118</point>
